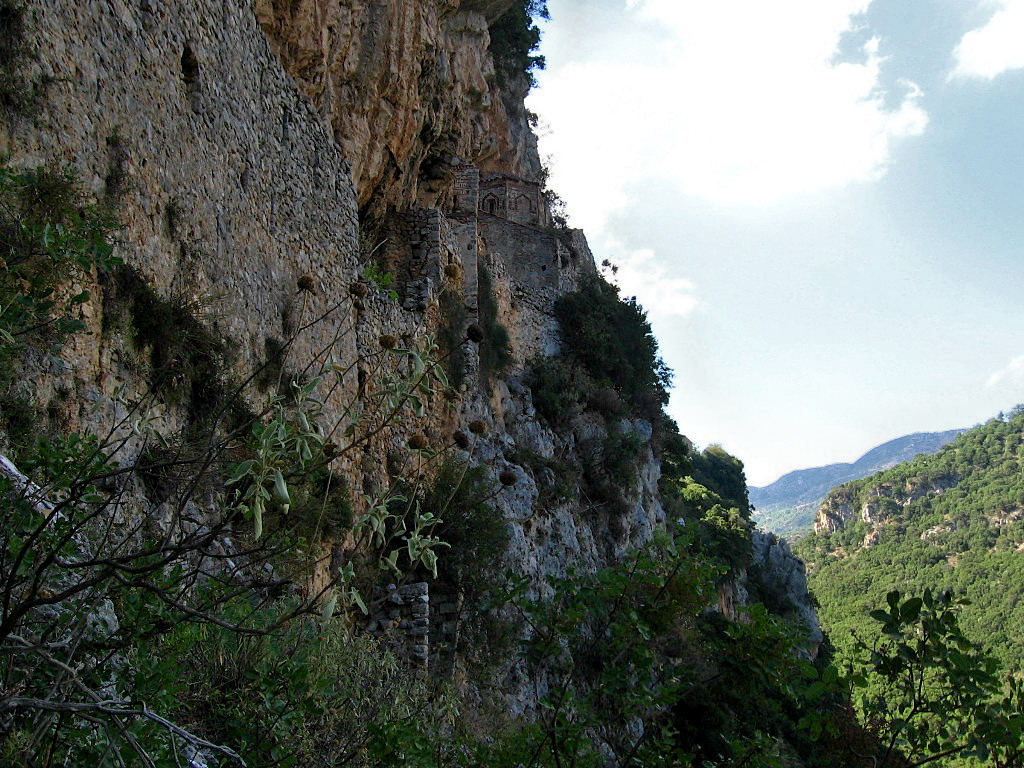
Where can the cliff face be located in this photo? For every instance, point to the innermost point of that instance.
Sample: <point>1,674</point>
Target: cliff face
<point>331,210</point>
<point>408,90</point>
<point>241,144</point>
<point>238,195</point>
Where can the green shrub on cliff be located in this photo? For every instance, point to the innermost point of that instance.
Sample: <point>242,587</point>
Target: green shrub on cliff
<point>611,339</point>
<point>50,238</point>
<point>18,91</point>
<point>495,350</point>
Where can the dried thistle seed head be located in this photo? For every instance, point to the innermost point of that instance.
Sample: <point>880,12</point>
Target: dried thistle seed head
<point>451,271</point>
<point>418,441</point>
<point>330,449</point>
<point>475,333</point>
<point>461,439</point>
<point>387,341</point>
<point>508,477</point>
<point>359,289</point>
<point>478,427</point>
<point>307,283</point>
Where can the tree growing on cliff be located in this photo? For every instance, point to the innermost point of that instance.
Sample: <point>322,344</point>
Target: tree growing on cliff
<point>514,38</point>
<point>612,339</point>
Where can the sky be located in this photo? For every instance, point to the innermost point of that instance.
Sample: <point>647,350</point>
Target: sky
<point>820,203</point>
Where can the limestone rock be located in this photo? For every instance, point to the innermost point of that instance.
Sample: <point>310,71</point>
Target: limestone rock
<point>407,88</point>
<point>786,575</point>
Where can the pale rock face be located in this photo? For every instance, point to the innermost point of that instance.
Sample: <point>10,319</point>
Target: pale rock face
<point>407,89</point>
<point>832,515</point>
<point>786,575</point>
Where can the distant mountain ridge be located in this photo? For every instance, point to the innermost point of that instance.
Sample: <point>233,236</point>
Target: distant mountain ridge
<point>788,505</point>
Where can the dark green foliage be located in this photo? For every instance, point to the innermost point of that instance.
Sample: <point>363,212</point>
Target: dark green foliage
<point>17,91</point>
<point>708,490</point>
<point>475,528</point>
<point>460,497</point>
<point>514,38</point>
<point>715,468</point>
<point>19,421</point>
<point>610,468</point>
<point>495,354</point>
<point>271,371</point>
<point>620,455</point>
<point>321,506</point>
<point>115,181</point>
<point>556,392</point>
<point>293,695</point>
<point>452,336</point>
<point>633,645</point>
<point>557,480</point>
<point>49,236</point>
<point>726,536</point>
<point>928,692</point>
<point>189,360</point>
<point>612,340</point>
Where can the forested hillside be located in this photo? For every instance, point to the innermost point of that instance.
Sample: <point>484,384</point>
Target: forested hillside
<point>953,520</point>
<point>787,506</point>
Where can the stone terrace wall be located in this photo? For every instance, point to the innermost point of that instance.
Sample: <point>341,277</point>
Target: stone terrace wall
<point>433,245</point>
<point>540,268</point>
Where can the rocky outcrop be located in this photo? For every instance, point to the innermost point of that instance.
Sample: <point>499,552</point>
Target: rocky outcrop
<point>788,505</point>
<point>874,502</point>
<point>786,576</point>
<point>776,578</point>
<point>408,90</point>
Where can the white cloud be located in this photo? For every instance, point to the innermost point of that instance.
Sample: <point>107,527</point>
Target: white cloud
<point>1012,373</point>
<point>661,294</point>
<point>736,101</point>
<point>994,48</point>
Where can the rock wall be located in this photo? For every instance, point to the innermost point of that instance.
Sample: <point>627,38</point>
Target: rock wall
<point>407,88</point>
<point>234,187</point>
<point>230,187</point>
<point>778,579</point>
<point>785,575</point>
<point>247,137</point>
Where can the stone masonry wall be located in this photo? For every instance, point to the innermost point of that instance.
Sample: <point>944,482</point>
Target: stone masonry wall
<point>540,269</point>
<point>513,198</point>
<point>466,191</point>
<point>232,187</point>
